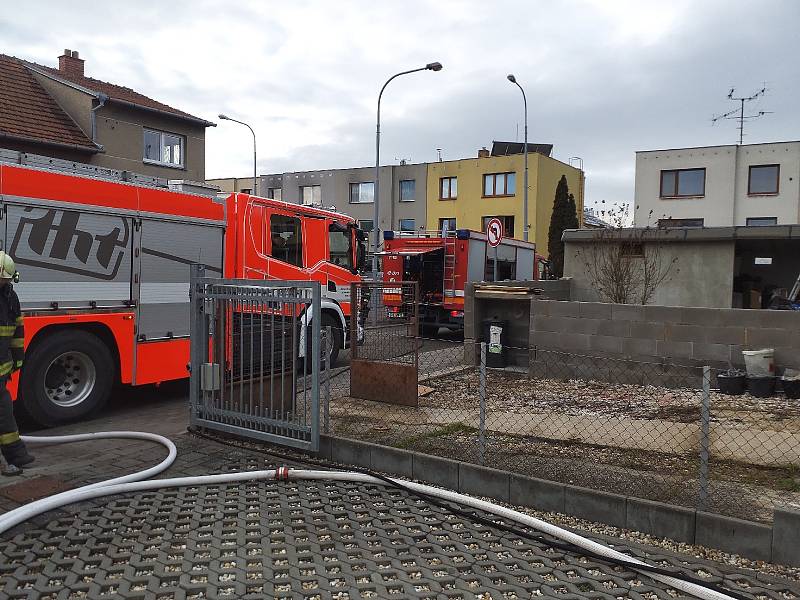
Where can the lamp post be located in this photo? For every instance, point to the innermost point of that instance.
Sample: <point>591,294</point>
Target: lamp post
<point>434,66</point>
<point>513,80</point>
<point>255,168</point>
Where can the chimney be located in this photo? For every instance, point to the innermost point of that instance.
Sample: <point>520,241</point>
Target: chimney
<point>484,153</point>
<point>70,63</point>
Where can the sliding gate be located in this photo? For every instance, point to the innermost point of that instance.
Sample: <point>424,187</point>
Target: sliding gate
<point>252,372</point>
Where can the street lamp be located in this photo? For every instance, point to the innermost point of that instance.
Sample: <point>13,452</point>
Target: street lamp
<point>434,66</point>
<point>513,80</point>
<point>255,168</point>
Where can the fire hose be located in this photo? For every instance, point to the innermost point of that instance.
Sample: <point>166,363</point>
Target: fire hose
<point>141,481</point>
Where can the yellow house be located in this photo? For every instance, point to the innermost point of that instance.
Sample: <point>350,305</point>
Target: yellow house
<point>471,190</point>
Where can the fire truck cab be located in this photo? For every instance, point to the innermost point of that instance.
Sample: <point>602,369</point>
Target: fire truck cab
<point>444,262</point>
<point>105,259</point>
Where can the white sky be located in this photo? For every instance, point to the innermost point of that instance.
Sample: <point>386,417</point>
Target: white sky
<point>604,78</point>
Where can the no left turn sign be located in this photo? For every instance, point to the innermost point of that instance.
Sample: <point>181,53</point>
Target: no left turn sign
<point>494,232</point>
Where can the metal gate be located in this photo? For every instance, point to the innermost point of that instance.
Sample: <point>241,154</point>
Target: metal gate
<point>253,345</point>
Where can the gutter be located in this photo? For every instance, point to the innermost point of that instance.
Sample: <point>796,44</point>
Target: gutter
<point>164,113</point>
<point>102,99</point>
<point>65,146</point>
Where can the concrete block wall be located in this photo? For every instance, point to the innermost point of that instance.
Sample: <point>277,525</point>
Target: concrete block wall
<point>779,543</point>
<point>685,335</point>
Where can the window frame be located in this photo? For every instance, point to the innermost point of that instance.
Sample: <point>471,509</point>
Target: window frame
<point>358,184</point>
<point>748,224</point>
<point>302,194</point>
<point>161,163</point>
<point>450,179</point>
<point>777,180</point>
<point>504,219</point>
<point>271,193</point>
<point>494,176</point>
<point>677,173</point>
<point>453,219</point>
<point>400,226</point>
<point>299,245</point>
<point>400,190</point>
<point>334,228</point>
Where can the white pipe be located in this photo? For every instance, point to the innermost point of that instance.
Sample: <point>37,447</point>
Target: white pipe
<point>114,486</point>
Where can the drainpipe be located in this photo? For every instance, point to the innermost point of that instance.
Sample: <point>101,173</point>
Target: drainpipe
<point>101,98</point>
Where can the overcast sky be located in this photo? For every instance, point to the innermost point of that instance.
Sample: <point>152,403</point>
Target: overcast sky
<point>604,78</point>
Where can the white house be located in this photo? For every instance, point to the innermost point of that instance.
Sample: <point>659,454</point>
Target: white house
<point>719,186</point>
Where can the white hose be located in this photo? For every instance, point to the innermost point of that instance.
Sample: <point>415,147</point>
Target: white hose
<point>129,484</point>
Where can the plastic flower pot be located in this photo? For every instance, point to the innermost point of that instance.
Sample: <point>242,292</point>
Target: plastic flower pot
<point>761,387</point>
<point>732,385</point>
<point>791,387</point>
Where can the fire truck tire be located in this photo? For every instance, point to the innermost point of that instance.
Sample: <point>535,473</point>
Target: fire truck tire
<point>337,334</point>
<point>67,376</point>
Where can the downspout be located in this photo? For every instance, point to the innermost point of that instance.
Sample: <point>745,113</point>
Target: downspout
<point>101,102</point>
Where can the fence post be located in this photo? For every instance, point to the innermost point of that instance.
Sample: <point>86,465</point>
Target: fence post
<point>326,402</point>
<point>482,394</point>
<point>705,423</point>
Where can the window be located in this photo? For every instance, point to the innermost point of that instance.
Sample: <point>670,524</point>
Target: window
<point>286,238</point>
<point>499,184</point>
<point>341,245</point>
<point>680,222</point>
<point>365,225</point>
<point>408,190</point>
<point>275,193</point>
<point>506,256</point>
<point>763,179</point>
<point>448,188</point>
<point>761,221</point>
<point>407,226</point>
<point>311,194</point>
<point>163,148</point>
<point>361,193</point>
<point>508,224</point>
<point>247,191</point>
<point>446,225</point>
<point>683,182</point>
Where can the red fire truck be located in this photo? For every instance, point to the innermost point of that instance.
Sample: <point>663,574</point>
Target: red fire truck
<point>443,263</point>
<point>105,259</point>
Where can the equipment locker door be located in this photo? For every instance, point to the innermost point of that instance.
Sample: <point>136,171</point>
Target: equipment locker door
<point>167,251</point>
<point>70,258</point>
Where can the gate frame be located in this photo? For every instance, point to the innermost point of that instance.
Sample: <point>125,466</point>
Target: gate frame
<point>200,338</point>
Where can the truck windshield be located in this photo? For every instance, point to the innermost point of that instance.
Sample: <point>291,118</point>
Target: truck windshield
<point>341,252</point>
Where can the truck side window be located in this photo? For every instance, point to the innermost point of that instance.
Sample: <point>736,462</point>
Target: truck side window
<point>286,238</point>
<point>341,250</point>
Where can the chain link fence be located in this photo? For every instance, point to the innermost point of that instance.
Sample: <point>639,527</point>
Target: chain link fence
<point>659,431</point>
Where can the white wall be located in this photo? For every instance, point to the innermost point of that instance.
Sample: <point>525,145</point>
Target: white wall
<point>726,201</point>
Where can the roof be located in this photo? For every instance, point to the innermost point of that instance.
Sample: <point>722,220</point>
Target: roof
<point>592,220</point>
<point>115,92</point>
<point>506,148</point>
<point>719,146</point>
<point>29,113</point>
<point>688,234</point>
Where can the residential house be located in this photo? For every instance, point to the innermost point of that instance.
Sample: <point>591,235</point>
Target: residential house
<point>466,193</point>
<point>62,113</point>
<point>719,186</point>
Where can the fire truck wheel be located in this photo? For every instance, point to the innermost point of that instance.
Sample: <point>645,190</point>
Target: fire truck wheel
<point>338,336</point>
<point>67,376</point>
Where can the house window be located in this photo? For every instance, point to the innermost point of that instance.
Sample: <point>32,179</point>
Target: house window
<point>286,238</point>
<point>276,193</point>
<point>408,190</point>
<point>761,221</point>
<point>163,148</point>
<point>446,225</point>
<point>763,179</point>
<point>247,191</point>
<point>311,194</point>
<point>407,226</point>
<point>361,193</point>
<point>499,184</point>
<point>507,221</point>
<point>683,182</point>
<point>680,222</point>
<point>448,188</point>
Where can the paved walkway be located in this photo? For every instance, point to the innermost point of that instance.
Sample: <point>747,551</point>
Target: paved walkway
<point>283,539</point>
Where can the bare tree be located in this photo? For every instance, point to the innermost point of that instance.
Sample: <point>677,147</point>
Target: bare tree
<point>627,266</point>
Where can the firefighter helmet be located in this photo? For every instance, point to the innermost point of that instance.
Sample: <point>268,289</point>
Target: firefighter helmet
<point>7,268</point>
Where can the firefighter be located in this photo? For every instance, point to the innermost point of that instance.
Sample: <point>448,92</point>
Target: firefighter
<point>11,355</point>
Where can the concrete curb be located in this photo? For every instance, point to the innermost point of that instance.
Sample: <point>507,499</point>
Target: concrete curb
<point>779,543</point>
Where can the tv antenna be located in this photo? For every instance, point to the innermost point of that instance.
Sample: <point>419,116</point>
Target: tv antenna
<point>738,113</point>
